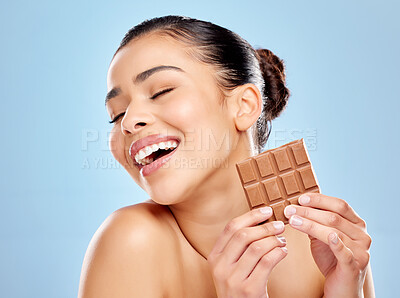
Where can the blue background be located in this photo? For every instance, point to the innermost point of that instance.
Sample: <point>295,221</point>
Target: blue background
<point>59,181</point>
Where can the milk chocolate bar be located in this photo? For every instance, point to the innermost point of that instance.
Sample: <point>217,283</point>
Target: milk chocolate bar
<point>277,177</point>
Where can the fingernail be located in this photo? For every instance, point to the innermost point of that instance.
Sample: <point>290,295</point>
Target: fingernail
<point>296,221</point>
<point>281,239</point>
<point>284,249</point>
<point>304,199</point>
<point>265,210</point>
<point>289,210</point>
<point>278,225</point>
<point>333,237</point>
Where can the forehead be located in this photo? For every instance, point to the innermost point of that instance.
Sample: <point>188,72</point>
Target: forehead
<point>147,52</point>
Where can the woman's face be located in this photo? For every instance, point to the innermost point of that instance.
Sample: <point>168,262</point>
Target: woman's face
<point>190,112</point>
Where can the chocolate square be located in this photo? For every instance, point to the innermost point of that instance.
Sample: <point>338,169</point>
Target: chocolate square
<point>277,177</point>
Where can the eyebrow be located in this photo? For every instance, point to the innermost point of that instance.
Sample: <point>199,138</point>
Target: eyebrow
<point>140,78</point>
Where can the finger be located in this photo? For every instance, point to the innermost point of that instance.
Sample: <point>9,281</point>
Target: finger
<point>239,242</point>
<point>343,254</point>
<point>249,259</point>
<point>321,232</point>
<point>326,218</point>
<point>263,269</point>
<point>317,230</point>
<point>250,218</point>
<point>328,203</point>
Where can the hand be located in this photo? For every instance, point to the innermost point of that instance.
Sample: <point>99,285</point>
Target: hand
<point>339,241</point>
<point>245,254</point>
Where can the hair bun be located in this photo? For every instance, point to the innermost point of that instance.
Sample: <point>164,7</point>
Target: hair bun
<point>273,71</point>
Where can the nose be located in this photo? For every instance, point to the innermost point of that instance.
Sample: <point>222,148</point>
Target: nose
<point>135,120</point>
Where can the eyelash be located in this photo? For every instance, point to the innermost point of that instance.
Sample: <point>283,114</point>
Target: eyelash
<point>153,97</point>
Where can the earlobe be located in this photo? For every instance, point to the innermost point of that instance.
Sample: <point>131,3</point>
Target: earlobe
<point>249,106</point>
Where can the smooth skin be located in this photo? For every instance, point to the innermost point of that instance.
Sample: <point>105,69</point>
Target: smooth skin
<point>195,236</point>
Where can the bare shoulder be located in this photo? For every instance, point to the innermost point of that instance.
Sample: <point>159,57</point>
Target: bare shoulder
<point>121,259</point>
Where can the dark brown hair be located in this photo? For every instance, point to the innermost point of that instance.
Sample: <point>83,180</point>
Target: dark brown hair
<point>236,62</point>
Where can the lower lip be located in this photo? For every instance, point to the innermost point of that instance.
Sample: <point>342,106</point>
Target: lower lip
<point>155,165</point>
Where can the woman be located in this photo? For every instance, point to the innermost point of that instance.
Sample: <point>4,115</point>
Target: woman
<point>197,97</point>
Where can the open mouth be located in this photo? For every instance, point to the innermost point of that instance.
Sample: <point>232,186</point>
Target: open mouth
<point>154,156</point>
<point>155,153</point>
<point>150,153</point>
<point>155,161</point>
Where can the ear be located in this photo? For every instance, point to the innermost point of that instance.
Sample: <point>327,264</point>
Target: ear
<point>247,107</point>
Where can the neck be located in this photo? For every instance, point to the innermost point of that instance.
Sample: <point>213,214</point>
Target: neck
<point>204,215</point>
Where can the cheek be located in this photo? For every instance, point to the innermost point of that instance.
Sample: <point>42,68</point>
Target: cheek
<point>185,113</point>
<point>206,128</point>
<point>116,143</point>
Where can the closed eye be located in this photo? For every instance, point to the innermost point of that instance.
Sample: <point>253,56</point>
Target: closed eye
<point>117,117</point>
<point>153,97</point>
<point>161,92</point>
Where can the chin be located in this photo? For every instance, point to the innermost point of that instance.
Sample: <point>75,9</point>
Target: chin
<point>163,200</point>
<point>167,192</point>
<point>165,196</point>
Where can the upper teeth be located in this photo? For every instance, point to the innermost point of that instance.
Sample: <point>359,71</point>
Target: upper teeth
<point>140,157</point>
